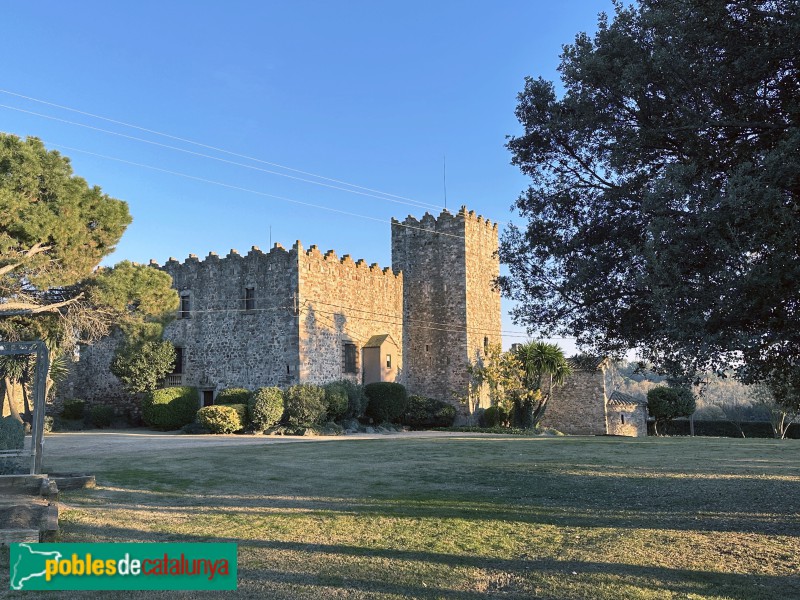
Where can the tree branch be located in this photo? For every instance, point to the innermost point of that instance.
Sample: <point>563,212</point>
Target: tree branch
<point>37,248</point>
<point>15,309</point>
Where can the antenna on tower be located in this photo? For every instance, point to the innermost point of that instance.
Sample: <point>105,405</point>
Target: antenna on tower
<point>444,179</point>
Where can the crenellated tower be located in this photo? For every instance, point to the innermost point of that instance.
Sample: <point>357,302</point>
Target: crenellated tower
<point>451,307</point>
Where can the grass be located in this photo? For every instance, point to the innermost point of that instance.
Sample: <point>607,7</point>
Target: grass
<point>465,518</point>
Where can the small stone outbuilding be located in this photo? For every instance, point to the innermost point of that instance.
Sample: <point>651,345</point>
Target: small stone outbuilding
<point>626,415</point>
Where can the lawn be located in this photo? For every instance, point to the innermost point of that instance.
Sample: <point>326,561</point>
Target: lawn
<point>465,517</point>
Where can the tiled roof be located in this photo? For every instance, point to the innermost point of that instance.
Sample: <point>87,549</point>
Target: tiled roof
<point>586,362</point>
<point>620,399</point>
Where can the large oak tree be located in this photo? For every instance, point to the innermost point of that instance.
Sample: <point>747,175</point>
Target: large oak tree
<point>665,188</point>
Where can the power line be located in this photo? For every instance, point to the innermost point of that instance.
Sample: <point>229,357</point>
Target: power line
<point>243,189</point>
<point>217,149</point>
<point>413,203</point>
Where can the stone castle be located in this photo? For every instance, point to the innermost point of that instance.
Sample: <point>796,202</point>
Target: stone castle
<point>300,316</point>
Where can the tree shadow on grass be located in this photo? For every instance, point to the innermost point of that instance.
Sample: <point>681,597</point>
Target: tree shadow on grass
<point>375,570</point>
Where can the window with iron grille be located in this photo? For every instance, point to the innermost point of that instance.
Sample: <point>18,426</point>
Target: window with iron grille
<point>186,307</point>
<point>350,363</point>
<point>249,298</point>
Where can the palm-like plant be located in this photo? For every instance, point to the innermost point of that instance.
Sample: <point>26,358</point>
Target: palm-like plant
<point>544,366</point>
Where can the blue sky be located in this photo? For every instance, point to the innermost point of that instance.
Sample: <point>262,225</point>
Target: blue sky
<point>375,94</point>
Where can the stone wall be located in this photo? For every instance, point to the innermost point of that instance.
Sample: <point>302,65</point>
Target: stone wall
<point>342,301</point>
<point>91,379</point>
<point>483,296</point>
<point>630,420</point>
<point>579,406</point>
<point>226,342</point>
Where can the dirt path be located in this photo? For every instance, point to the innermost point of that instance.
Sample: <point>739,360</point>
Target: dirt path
<point>122,442</point>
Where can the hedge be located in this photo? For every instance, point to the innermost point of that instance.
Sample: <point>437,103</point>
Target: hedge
<point>101,415</point>
<point>336,401</point>
<point>222,418</point>
<point>233,396</point>
<point>752,429</point>
<point>305,405</point>
<point>73,409</point>
<point>266,407</point>
<point>170,408</point>
<point>387,401</point>
<point>427,412</point>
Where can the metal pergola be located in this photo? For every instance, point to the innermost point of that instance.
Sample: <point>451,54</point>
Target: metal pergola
<point>39,387</point>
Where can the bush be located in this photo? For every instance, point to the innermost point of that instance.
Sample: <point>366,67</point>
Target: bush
<point>12,434</point>
<point>48,423</point>
<point>101,415</point>
<point>305,405</point>
<point>233,396</point>
<point>170,408</point>
<point>427,412</point>
<point>73,409</point>
<point>336,401</point>
<point>266,407</point>
<point>356,398</point>
<point>495,416</point>
<point>387,401</point>
<point>222,418</point>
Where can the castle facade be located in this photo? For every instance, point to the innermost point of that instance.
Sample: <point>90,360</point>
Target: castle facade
<point>292,316</point>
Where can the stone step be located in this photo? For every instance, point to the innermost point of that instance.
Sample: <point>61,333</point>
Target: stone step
<point>30,485</point>
<point>15,536</point>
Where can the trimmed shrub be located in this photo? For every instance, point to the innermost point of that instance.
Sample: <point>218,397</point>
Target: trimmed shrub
<point>336,401</point>
<point>170,408</point>
<point>387,401</point>
<point>101,415</point>
<point>495,416</point>
<point>356,398</point>
<point>222,418</point>
<point>12,434</point>
<point>233,396</point>
<point>427,412</point>
<point>305,405</point>
<point>266,407</point>
<point>73,409</point>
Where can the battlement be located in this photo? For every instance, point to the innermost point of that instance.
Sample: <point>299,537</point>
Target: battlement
<point>445,220</point>
<point>330,262</point>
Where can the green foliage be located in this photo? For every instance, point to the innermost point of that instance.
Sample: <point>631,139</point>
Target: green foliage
<point>666,403</point>
<point>356,398</point>
<point>222,418</point>
<point>170,408</point>
<point>101,415</point>
<point>428,412</point>
<point>233,396</point>
<point>73,409</point>
<point>387,401</point>
<point>266,407</point>
<point>661,213</point>
<point>142,365</point>
<point>54,230</point>
<point>495,416</point>
<point>304,405</point>
<point>337,401</point>
<point>12,434</point>
<point>48,423</point>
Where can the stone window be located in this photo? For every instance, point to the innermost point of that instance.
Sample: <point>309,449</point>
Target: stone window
<point>185,311</point>
<point>350,358</point>
<point>177,366</point>
<point>623,419</point>
<point>485,345</point>
<point>249,298</point>
<point>388,361</point>
<point>427,347</point>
